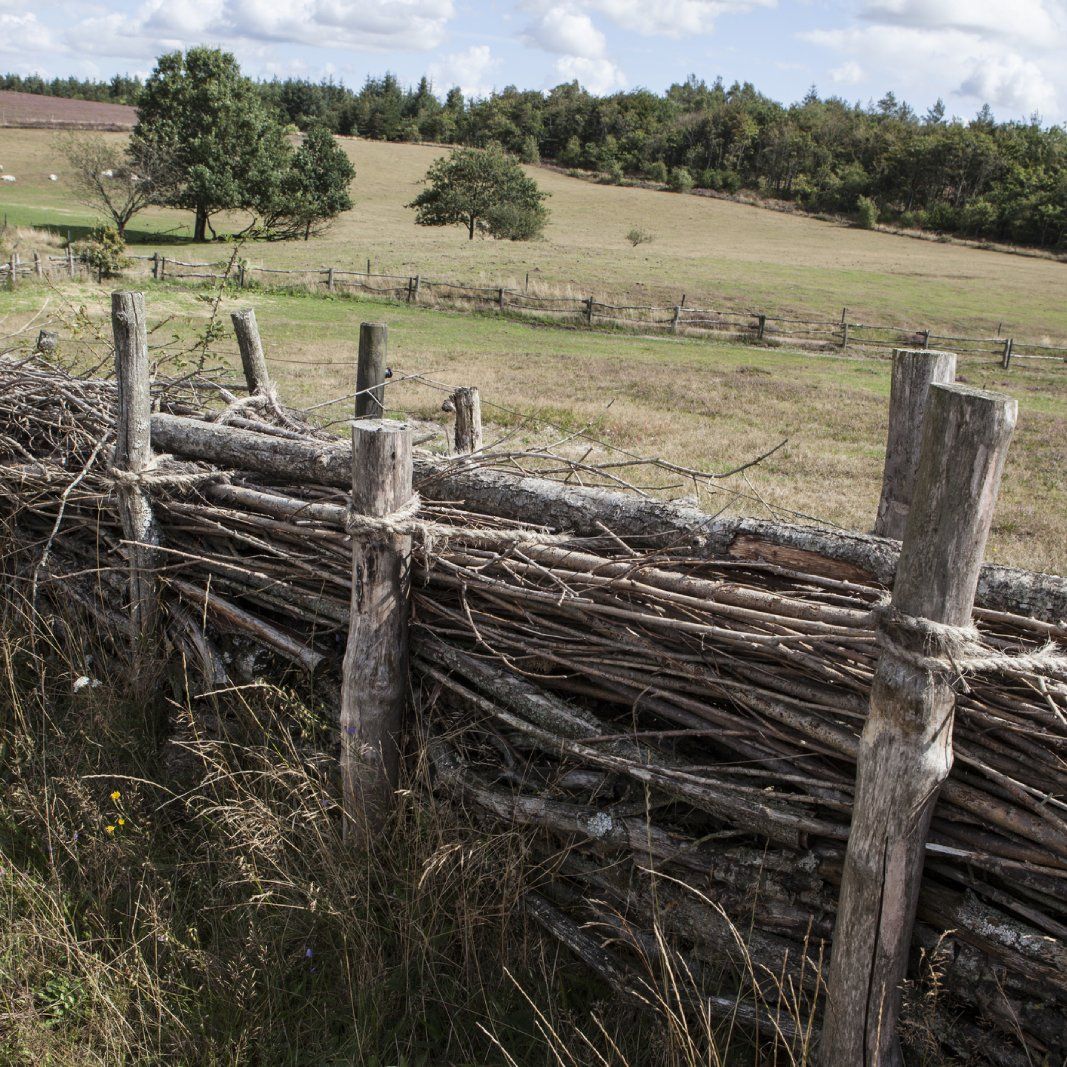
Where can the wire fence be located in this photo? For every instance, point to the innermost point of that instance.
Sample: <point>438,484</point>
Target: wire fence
<point>679,319</point>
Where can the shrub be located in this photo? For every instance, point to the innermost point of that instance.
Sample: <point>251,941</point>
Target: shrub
<point>638,236</point>
<point>867,212</point>
<point>940,217</point>
<point>681,180</point>
<point>104,251</point>
<point>657,171</point>
<point>729,181</point>
<point>614,175</point>
<point>571,156</point>
<point>530,152</point>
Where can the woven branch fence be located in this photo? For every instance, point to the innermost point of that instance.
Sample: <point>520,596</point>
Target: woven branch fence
<point>753,325</point>
<point>669,705</point>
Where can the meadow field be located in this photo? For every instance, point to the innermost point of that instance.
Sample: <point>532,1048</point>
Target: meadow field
<point>717,253</point>
<point>711,406</point>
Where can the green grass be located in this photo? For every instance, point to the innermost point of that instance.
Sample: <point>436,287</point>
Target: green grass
<point>705,405</point>
<point>716,252</point>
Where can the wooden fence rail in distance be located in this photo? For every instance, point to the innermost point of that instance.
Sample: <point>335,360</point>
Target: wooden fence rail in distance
<point>838,333</point>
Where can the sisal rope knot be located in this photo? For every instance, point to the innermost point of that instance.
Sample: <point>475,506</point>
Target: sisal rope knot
<point>957,650</point>
<point>156,477</point>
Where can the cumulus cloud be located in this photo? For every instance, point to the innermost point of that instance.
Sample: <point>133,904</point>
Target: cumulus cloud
<point>971,50</point>
<point>599,76</point>
<point>567,32</point>
<point>472,70</point>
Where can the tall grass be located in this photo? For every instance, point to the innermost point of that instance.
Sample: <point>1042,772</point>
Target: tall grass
<point>175,889</point>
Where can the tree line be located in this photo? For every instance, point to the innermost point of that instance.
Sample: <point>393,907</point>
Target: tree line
<point>882,161</point>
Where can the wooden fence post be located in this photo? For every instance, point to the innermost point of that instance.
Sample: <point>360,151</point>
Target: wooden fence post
<point>70,260</point>
<point>133,452</point>
<point>13,272</point>
<point>500,299</point>
<point>844,335</point>
<point>1005,360</point>
<point>415,289</point>
<point>926,338</point>
<point>375,671</point>
<point>468,431</point>
<point>162,267</point>
<point>368,266</point>
<point>676,317</point>
<point>589,311</point>
<point>329,280</point>
<point>37,263</point>
<point>905,750</point>
<point>761,327</point>
<point>913,374</point>
<point>240,275</point>
<point>253,360</point>
<point>371,371</point>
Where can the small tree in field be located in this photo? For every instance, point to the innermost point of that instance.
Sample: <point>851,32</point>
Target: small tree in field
<point>312,192</point>
<point>484,190</point>
<point>103,177</point>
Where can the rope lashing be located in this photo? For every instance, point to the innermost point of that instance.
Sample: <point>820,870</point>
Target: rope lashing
<point>957,650</point>
<point>405,522</point>
<point>155,477</point>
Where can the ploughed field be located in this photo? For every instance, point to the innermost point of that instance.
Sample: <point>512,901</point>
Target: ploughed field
<point>35,110</point>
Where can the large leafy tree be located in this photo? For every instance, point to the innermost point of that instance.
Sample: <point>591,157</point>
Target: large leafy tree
<point>485,190</point>
<point>312,191</point>
<point>222,147</point>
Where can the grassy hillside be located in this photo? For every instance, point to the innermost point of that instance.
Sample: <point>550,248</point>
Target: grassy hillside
<point>706,405</point>
<point>716,252</point>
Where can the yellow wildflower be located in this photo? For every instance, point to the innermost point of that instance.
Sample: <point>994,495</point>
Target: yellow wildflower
<point>116,795</point>
<point>110,829</point>
<point>122,821</point>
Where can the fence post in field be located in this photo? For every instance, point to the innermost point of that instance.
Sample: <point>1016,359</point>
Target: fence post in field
<point>1005,360</point>
<point>675,318</point>
<point>70,260</point>
<point>589,311</point>
<point>761,326</point>
<point>844,335</point>
<point>329,279</point>
<point>37,263</point>
<point>371,370</point>
<point>415,289</point>
<point>468,431</point>
<point>133,452</point>
<point>240,275</point>
<point>375,672</point>
<point>253,360</point>
<point>926,338</point>
<point>13,271</point>
<point>500,299</point>
<point>162,267</point>
<point>155,266</point>
<point>905,750</point>
<point>913,374</point>
<point>368,266</point>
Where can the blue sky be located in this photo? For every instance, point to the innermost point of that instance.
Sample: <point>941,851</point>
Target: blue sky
<point>1004,52</point>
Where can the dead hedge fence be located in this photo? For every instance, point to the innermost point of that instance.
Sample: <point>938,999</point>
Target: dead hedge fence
<point>801,767</point>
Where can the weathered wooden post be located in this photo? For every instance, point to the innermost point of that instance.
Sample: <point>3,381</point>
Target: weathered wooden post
<point>37,263</point>
<point>676,317</point>
<point>329,279</point>
<point>375,672</point>
<point>844,335</point>
<point>468,431</point>
<point>368,266</point>
<point>70,260</point>
<point>589,311</point>
<point>133,452</point>
<point>1005,360</point>
<point>253,359</point>
<point>13,271</point>
<point>371,370</point>
<point>500,300</point>
<point>913,373</point>
<point>415,289</point>
<point>762,326</point>
<point>47,342</point>
<point>155,266</point>
<point>926,338</point>
<point>905,750</point>
<point>240,275</point>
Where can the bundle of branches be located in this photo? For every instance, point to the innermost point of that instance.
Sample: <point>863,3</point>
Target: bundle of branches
<point>678,731</point>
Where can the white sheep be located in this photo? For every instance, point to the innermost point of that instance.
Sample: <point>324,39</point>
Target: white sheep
<point>9,177</point>
<point>53,177</point>
<point>107,174</point>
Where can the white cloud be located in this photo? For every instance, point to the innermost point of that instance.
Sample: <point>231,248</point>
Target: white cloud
<point>22,34</point>
<point>673,18</point>
<point>599,76</point>
<point>849,73</point>
<point>567,32</point>
<point>471,70</point>
<point>972,51</point>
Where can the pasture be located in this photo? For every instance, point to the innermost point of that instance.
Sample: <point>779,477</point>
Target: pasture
<point>718,253</point>
<point>711,406</point>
